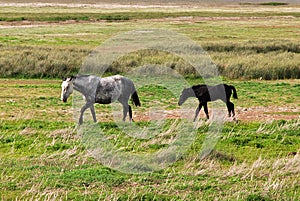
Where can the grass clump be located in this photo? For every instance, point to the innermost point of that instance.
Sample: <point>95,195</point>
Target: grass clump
<point>56,62</point>
<point>40,62</point>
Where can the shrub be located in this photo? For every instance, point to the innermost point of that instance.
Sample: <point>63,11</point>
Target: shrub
<point>273,4</point>
<point>39,62</point>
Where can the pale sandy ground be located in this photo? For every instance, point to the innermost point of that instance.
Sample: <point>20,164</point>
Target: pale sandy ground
<point>151,2</point>
<point>230,6</point>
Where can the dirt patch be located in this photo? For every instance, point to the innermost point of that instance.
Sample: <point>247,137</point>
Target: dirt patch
<point>261,114</point>
<point>32,24</point>
<point>91,5</point>
<point>268,113</point>
<point>154,6</point>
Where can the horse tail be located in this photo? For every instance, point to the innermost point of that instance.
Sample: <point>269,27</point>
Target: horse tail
<point>135,99</point>
<point>234,91</point>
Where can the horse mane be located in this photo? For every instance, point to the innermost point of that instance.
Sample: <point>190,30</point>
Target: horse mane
<point>82,76</point>
<point>199,86</point>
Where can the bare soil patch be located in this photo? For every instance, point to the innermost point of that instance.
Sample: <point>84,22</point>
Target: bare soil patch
<point>149,2</point>
<point>259,114</point>
<point>268,113</point>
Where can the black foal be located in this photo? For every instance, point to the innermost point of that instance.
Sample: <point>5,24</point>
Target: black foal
<point>206,93</point>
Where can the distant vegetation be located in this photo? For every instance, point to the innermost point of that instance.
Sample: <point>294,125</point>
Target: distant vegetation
<point>274,4</point>
<point>124,16</point>
<point>267,61</point>
<point>240,46</point>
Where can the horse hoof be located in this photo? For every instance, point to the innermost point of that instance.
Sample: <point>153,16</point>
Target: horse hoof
<point>235,120</point>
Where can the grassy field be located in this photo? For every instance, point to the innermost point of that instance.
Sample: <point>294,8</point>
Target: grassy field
<point>43,156</point>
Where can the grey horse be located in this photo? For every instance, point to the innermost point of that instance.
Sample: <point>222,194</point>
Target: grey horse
<point>101,90</point>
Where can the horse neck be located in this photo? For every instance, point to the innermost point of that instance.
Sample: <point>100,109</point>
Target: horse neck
<point>79,85</point>
<point>86,85</point>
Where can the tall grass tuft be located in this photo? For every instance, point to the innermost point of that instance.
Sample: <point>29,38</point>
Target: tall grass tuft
<point>268,60</point>
<point>269,66</point>
<point>40,62</point>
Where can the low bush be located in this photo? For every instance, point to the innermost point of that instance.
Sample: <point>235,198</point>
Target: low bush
<point>39,62</point>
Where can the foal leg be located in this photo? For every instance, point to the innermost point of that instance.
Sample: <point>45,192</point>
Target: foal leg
<point>228,108</point>
<point>130,113</point>
<point>206,110</point>
<point>197,111</point>
<point>232,109</point>
<point>93,113</point>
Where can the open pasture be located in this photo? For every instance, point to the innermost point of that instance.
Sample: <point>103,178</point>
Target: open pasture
<point>256,158</point>
<point>42,156</point>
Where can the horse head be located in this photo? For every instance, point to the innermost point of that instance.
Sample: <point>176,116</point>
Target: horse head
<point>67,88</point>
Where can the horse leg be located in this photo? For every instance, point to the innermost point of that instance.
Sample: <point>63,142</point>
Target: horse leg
<point>93,112</point>
<point>125,110</point>
<point>82,111</point>
<point>197,111</point>
<point>206,110</point>
<point>232,109</point>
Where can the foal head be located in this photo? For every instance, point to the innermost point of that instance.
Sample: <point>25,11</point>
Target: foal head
<point>185,94</point>
<point>66,88</point>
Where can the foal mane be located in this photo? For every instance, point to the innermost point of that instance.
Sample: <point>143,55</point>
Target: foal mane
<point>200,89</point>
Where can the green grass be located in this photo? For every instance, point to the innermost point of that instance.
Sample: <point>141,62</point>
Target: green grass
<point>42,169</point>
<point>43,156</point>
<point>267,93</point>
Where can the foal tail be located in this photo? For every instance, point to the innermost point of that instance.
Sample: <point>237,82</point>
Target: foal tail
<point>135,99</point>
<point>234,91</point>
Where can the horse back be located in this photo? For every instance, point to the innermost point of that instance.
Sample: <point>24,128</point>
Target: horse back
<point>108,89</point>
